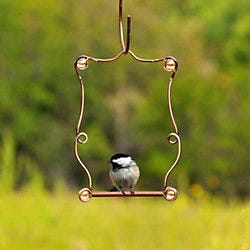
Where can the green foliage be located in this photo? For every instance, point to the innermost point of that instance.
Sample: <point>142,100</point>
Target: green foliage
<point>16,170</point>
<point>34,179</point>
<point>126,105</point>
<point>8,161</point>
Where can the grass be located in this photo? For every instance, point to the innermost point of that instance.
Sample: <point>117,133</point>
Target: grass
<point>34,219</point>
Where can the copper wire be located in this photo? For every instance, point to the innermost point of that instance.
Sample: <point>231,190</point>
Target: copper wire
<point>170,64</point>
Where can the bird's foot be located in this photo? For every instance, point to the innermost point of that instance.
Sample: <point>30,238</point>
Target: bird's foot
<point>132,192</point>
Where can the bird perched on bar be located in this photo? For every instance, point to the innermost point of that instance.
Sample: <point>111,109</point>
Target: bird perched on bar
<point>124,173</point>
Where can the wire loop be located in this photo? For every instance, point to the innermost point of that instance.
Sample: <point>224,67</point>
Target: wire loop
<point>82,134</point>
<point>81,63</point>
<point>85,194</point>
<point>170,194</point>
<point>170,140</point>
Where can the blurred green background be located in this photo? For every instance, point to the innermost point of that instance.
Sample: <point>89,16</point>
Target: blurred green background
<point>126,102</point>
<point>125,107</point>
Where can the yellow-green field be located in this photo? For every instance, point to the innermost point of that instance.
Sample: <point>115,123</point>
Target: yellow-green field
<point>38,220</point>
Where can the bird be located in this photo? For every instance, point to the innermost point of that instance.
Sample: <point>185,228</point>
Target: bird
<point>124,172</point>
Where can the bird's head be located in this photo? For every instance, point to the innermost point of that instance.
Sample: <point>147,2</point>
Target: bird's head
<point>121,160</point>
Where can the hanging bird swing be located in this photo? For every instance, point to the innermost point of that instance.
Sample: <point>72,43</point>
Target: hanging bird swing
<point>170,64</point>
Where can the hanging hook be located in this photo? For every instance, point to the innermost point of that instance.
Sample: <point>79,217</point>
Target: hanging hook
<point>128,33</point>
<point>126,49</point>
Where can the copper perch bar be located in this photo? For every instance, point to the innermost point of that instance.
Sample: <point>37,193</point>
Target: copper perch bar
<point>127,193</point>
<point>170,64</point>
<point>170,194</point>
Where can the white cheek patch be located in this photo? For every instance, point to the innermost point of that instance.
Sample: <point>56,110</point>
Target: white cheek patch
<point>124,161</point>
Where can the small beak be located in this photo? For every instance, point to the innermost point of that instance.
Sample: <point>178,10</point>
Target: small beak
<point>109,161</point>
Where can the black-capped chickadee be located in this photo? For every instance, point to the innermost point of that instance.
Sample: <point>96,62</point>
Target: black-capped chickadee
<point>124,173</point>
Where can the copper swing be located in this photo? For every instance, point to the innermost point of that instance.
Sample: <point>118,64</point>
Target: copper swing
<point>170,64</point>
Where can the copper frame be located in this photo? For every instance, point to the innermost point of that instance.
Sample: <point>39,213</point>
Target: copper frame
<point>170,64</point>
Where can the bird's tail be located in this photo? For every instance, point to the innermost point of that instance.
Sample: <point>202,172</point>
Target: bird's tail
<point>112,189</point>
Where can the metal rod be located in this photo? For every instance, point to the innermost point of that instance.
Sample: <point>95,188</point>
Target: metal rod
<point>107,59</point>
<point>112,59</point>
<point>78,127</point>
<point>178,140</point>
<point>128,34</point>
<point>81,108</point>
<point>127,193</point>
<point>121,26</point>
<point>145,60</point>
<point>170,105</point>
<point>77,140</point>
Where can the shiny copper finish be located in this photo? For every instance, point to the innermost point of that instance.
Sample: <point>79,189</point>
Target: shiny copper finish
<point>136,194</point>
<point>170,194</point>
<point>170,64</point>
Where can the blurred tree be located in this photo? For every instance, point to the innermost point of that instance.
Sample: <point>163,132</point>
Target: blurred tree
<point>126,105</point>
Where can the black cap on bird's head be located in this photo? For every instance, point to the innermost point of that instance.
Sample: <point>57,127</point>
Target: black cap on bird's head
<point>120,160</point>
<point>117,156</point>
